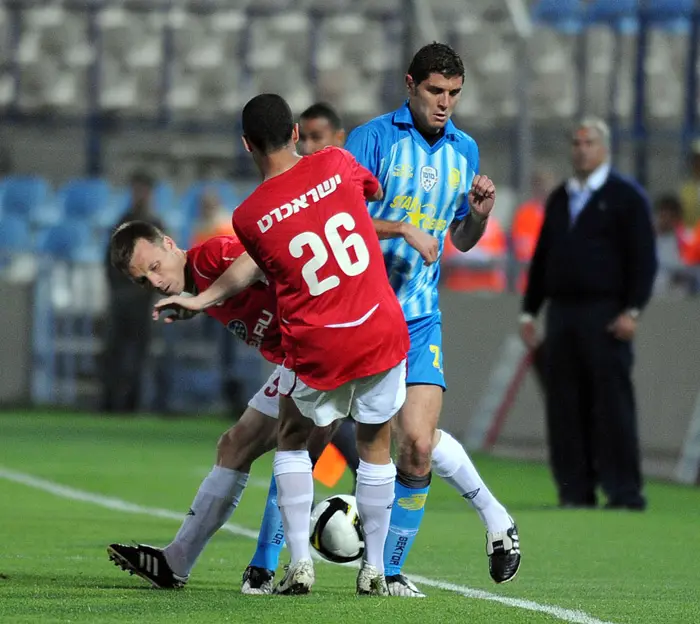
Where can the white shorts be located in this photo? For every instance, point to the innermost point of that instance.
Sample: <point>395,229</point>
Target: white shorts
<point>267,399</point>
<point>371,400</point>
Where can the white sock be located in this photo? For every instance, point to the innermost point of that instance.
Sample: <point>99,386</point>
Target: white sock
<point>451,462</point>
<point>295,494</point>
<point>375,495</point>
<point>216,500</point>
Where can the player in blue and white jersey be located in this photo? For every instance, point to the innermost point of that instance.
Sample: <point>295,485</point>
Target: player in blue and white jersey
<point>429,170</point>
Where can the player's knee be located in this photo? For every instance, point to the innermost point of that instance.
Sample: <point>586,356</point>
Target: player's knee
<point>228,450</point>
<point>414,454</point>
<point>292,435</point>
<point>319,439</point>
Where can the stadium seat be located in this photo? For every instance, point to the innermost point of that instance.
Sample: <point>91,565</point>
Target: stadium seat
<point>563,15</point>
<point>24,195</point>
<point>85,199</point>
<point>68,241</point>
<point>621,14</point>
<point>15,234</point>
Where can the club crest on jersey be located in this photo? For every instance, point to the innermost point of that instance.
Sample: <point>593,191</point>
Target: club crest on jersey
<point>428,177</point>
<point>238,329</point>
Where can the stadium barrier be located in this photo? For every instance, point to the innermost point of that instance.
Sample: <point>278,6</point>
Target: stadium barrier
<point>493,402</point>
<point>491,405</point>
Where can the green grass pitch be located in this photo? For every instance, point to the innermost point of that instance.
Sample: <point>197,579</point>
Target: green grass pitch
<point>587,567</point>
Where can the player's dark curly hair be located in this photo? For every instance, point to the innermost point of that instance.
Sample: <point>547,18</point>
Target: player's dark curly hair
<point>435,58</point>
<point>123,241</point>
<point>321,110</point>
<point>268,122</point>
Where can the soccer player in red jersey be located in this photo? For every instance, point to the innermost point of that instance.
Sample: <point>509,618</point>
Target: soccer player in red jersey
<point>343,332</point>
<point>153,260</point>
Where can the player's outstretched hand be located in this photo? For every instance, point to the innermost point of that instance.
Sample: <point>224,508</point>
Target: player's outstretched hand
<point>177,308</point>
<point>482,196</point>
<point>425,244</point>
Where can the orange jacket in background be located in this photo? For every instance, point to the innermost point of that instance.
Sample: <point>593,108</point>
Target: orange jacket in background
<point>525,231</point>
<point>461,274</point>
<point>220,228</point>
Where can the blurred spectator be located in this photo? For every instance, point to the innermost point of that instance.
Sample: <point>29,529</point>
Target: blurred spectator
<point>320,126</point>
<point>482,268</point>
<point>673,246</point>
<point>690,189</point>
<point>5,161</point>
<point>129,324</point>
<point>212,220</point>
<point>595,264</point>
<point>527,223</point>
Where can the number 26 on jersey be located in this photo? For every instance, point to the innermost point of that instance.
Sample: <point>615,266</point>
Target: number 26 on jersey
<point>337,245</point>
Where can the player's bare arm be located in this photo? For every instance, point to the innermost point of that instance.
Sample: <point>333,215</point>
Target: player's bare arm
<point>421,241</point>
<point>242,273</point>
<point>482,197</point>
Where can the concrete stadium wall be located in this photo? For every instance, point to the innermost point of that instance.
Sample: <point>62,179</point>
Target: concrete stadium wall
<point>482,355</point>
<point>15,343</point>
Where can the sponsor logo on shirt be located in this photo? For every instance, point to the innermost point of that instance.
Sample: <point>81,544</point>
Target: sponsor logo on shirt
<point>238,329</point>
<point>420,215</point>
<point>260,328</point>
<point>402,171</point>
<point>454,178</point>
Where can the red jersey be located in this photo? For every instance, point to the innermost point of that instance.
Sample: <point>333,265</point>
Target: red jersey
<point>309,230</point>
<point>251,315</point>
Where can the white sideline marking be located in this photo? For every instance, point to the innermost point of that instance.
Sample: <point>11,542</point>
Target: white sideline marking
<point>117,504</point>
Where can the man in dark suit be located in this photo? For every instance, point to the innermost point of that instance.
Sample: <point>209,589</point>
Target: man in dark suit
<point>129,324</point>
<point>594,263</point>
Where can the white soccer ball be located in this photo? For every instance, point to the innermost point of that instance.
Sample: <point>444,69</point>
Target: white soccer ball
<point>336,529</point>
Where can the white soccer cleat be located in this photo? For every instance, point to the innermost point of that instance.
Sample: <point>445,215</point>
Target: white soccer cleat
<point>399,585</point>
<point>298,579</point>
<point>371,582</point>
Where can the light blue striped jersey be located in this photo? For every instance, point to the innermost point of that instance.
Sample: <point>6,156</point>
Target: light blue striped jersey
<point>426,185</point>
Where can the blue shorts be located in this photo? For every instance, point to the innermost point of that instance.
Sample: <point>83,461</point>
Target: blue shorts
<point>425,353</point>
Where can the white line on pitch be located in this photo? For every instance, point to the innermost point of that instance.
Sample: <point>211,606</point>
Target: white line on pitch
<point>117,504</point>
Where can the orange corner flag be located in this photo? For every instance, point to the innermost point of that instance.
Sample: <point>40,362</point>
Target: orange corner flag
<point>330,466</point>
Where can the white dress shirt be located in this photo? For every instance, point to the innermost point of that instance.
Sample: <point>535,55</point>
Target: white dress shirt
<point>580,192</point>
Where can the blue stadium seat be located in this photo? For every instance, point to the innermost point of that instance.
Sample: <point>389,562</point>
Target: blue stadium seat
<point>24,195</point>
<point>564,15</point>
<point>671,15</point>
<point>85,199</point>
<point>15,234</point>
<point>164,198</point>
<point>622,14</point>
<point>70,241</point>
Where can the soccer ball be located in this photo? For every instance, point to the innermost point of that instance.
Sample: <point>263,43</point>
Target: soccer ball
<point>336,530</point>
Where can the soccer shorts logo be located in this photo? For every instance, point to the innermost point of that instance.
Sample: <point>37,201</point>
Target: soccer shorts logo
<point>413,502</point>
<point>238,329</point>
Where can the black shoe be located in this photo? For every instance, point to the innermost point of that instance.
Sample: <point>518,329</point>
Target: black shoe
<point>257,581</point>
<point>635,506</point>
<point>147,562</point>
<point>503,549</point>
<point>576,505</point>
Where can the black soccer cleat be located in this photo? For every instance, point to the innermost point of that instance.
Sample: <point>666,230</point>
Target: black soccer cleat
<point>503,549</point>
<point>147,562</point>
<point>257,581</point>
